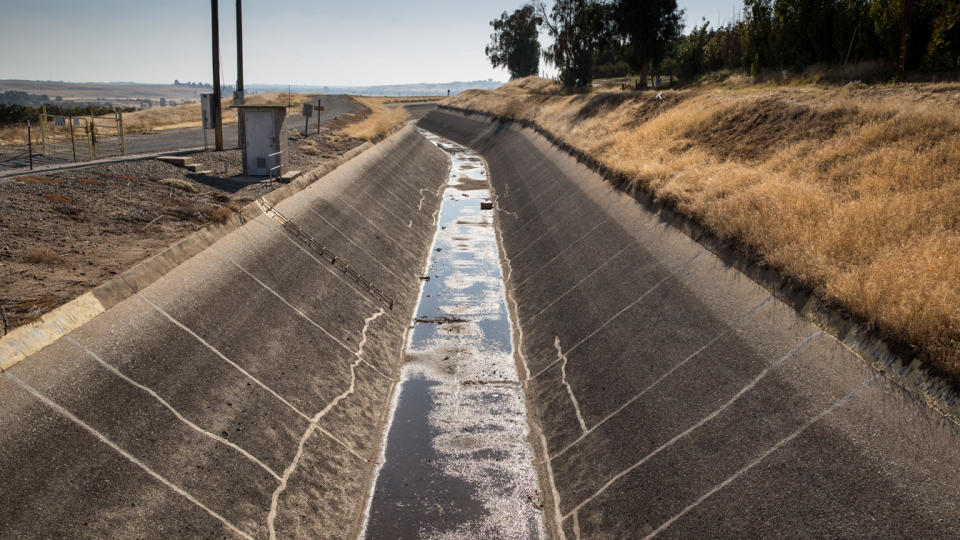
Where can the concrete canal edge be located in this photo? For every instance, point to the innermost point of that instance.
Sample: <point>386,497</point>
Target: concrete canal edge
<point>31,338</point>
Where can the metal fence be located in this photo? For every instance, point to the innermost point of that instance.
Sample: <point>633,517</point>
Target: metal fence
<point>82,138</point>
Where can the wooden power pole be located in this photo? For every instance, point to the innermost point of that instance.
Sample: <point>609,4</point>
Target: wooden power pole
<point>239,53</point>
<point>904,41</point>
<point>217,116</point>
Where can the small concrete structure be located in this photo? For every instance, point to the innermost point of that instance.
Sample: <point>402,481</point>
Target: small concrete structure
<point>262,134</point>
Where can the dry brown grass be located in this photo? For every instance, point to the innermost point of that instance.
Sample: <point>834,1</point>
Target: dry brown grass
<point>38,180</point>
<point>163,118</point>
<point>42,255</point>
<point>57,197</point>
<point>177,183</point>
<point>184,116</point>
<point>379,122</point>
<point>412,99</point>
<point>853,190</point>
<point>218,214</point>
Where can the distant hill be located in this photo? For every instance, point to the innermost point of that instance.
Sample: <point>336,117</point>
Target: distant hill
<point>127,93</point>
<point>417,89</point>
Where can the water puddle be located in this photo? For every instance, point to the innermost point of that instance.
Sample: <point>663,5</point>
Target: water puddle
<point>457,461</point>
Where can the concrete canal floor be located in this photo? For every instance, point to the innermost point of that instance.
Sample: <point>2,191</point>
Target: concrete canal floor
<point>457,461</point>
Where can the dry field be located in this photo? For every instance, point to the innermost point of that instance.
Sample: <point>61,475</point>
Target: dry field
<point>163,118</point>
<point>380,119</point>
<point>853,190</point>
<point>187,116</point>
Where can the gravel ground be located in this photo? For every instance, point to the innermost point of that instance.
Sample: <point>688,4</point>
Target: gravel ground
<point>63,233</point>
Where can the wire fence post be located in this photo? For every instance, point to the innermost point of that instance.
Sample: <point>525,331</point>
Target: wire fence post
<point>73,142</point>
<point>30,144</point>
<point>43,128</point>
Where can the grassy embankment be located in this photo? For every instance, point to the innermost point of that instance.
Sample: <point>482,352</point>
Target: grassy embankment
<point>380,119</point>
<point>852,190</point>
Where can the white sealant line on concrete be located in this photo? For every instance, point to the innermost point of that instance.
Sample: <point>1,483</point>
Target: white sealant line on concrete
<point>314,426</point>
<point>364,296</point>
<point>376,199</point>
<point>524,380</point>
<point>502,210</point>
<point>566,248</point>
<point>356,353</point>
<point>382,186</point>
<point>627,307</point>
<point>365,252</point>
<point>345,446</point>
<point>244,372</point>
<point>173,410</point>
<point>562,251</point>
<point>563,195</point>
<point>73,418</point>
<point>563,380</point>
<point>743,470</point>
<point>577,284</point>
<point>756,380</point>
<point>669,372</point>
<point>375,226</point>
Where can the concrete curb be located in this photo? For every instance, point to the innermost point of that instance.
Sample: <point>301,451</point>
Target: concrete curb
<point>29,339</point>
<point>895,360</point>
<point>13,173</point>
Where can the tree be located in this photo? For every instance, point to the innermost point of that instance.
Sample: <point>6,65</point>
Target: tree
<point>648,28</point>
<point>579,28</point>
<point>758,34</point>
<point>514,43</point>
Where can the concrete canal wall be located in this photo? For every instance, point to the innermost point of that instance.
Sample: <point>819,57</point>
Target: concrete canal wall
<point>244,392</point>
<point>677,397</point>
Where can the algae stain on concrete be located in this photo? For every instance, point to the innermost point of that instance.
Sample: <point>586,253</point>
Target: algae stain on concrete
<point>457,461</point>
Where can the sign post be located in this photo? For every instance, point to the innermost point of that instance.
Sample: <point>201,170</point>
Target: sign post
<point>307,113</point>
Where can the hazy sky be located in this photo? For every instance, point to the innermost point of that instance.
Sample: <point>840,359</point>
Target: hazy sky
<point>360,42</point>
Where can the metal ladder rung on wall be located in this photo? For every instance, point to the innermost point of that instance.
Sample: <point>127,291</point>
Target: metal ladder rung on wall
<point>296,231</point>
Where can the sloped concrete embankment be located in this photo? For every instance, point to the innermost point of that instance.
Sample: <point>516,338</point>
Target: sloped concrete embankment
<point>243,393</point>
<point>678,398</point>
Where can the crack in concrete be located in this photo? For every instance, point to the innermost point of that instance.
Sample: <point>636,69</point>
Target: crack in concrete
<point>622,311</point>
<point>562,358</point>
<point>244,372</point>
<point>177,489</point>
<point>314,426</point>
<point>525,378</point>
<point>173,410</point>
<point>307,318</point>
<point>753,383</point>
<point>743,470</point>
<point>670,371</point>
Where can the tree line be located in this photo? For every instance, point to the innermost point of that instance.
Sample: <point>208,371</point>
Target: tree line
<point>608,38</point>
<point>18,114</point>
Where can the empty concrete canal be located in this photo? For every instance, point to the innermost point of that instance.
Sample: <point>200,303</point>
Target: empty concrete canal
<point>564,364</point>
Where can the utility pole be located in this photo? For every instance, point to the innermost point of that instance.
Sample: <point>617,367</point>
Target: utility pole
<point>217,117</point>
<point>904,41</point>
<point>239,54</point>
